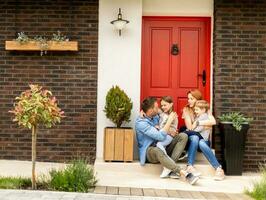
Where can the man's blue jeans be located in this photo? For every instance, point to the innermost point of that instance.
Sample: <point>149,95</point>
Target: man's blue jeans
<point>196,143</point>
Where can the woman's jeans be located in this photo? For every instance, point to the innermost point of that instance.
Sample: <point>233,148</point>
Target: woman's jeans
<point>196,143</point>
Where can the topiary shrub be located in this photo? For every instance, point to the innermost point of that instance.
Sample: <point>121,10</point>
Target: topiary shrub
<point>33,108</point>
<point>118,106</point>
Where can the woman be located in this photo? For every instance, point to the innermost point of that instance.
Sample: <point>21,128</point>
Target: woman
<point>195,142</point>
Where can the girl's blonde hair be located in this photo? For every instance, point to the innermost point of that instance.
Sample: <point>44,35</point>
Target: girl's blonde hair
<point>168,99</point>
<point>202,104</point>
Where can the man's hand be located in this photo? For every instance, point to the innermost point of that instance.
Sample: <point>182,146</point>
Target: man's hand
<point>157,127</point>
<point>172,116</point>
<point>141,114</point>
<point>170,119</point>
<point>172,133</point>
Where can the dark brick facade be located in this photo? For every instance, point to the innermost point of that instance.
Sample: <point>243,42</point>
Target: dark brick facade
<point>240,69</point>
<point>71,76</point>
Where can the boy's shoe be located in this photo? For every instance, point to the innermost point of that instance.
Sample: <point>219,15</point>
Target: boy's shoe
<point>174,175</point>
<point>183,155</point>
<point>165,173</point>
<point>219,174</point>
<point>191,179</point>
<point>191,169</point>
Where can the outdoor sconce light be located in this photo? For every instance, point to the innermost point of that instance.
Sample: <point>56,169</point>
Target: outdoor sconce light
<point>119,23</point>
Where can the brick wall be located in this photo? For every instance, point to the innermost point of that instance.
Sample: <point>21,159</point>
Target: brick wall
<point>240,69</point>
<point>71,76</point>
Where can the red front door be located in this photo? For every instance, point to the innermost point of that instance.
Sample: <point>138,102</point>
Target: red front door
<point>175,58</point>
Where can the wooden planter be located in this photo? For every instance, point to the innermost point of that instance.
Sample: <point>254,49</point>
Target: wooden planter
<point>34,46</point>
<point>118,144</point>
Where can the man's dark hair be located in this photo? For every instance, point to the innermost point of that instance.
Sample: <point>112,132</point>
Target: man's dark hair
<point>148,103</point>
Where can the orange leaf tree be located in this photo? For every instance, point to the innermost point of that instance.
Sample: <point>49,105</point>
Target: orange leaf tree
<point>36,107</point>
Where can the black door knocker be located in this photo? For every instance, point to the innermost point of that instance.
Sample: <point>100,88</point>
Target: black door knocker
<point>174,49</point>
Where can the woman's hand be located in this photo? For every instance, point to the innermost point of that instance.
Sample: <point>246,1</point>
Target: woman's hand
<point>194,125</point>
<point>185,113</point>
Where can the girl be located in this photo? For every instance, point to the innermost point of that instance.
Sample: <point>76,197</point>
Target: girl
<point>166,108</point>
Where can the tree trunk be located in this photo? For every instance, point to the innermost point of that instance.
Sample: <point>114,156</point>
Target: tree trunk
<point>33,151</point>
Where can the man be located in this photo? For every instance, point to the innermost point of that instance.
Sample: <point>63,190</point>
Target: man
<point>148,135</point>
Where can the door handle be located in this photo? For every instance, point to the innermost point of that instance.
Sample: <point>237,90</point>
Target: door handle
<point>174,49</point>
<point>203,75</point>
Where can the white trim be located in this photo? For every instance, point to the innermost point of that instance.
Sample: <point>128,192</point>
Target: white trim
<point>119,58</point>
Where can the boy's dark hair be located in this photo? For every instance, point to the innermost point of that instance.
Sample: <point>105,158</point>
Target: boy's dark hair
<point>148,103</point>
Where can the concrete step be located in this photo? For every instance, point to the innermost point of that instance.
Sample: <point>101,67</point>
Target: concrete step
<point>149,169</point>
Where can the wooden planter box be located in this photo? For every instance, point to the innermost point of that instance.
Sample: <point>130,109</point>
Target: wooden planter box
<point>34,46</point>
<point>118,144</point>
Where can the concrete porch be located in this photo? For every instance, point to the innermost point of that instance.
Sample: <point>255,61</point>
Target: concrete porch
<point>132,175</point>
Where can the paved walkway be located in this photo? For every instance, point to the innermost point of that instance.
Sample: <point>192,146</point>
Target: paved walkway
<point>179,194</point>
<point>47,195</point>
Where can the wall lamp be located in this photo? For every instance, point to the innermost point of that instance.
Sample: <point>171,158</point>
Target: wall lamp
<point>119,23</point>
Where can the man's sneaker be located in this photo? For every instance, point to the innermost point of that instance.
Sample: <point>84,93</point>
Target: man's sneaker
<point>165,173</point>
<point>174,175</point>
<point>191,179</point>
<point>183,155</point>
<point>219,174</point>
<point>191,169</point>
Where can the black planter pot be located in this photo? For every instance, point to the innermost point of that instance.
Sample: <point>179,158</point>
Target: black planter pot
<point>233,147</point>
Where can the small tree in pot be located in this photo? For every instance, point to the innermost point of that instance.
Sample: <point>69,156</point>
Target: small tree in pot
<point>118,142</point>
<point>234,127</point>
<point>33,108</point>
<point>118,106</point>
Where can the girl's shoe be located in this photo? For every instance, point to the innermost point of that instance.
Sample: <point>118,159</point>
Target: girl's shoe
<point>191,169</point>
<point>165,173</point>
<point>219,174</point>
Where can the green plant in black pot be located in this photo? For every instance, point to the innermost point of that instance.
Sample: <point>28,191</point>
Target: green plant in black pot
<point>236,119</point>
<point>118,106</point>
<point>233,127</point>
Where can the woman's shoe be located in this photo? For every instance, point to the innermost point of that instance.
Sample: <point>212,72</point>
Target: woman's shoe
<point>165,173</point>
<point>219,174</point>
